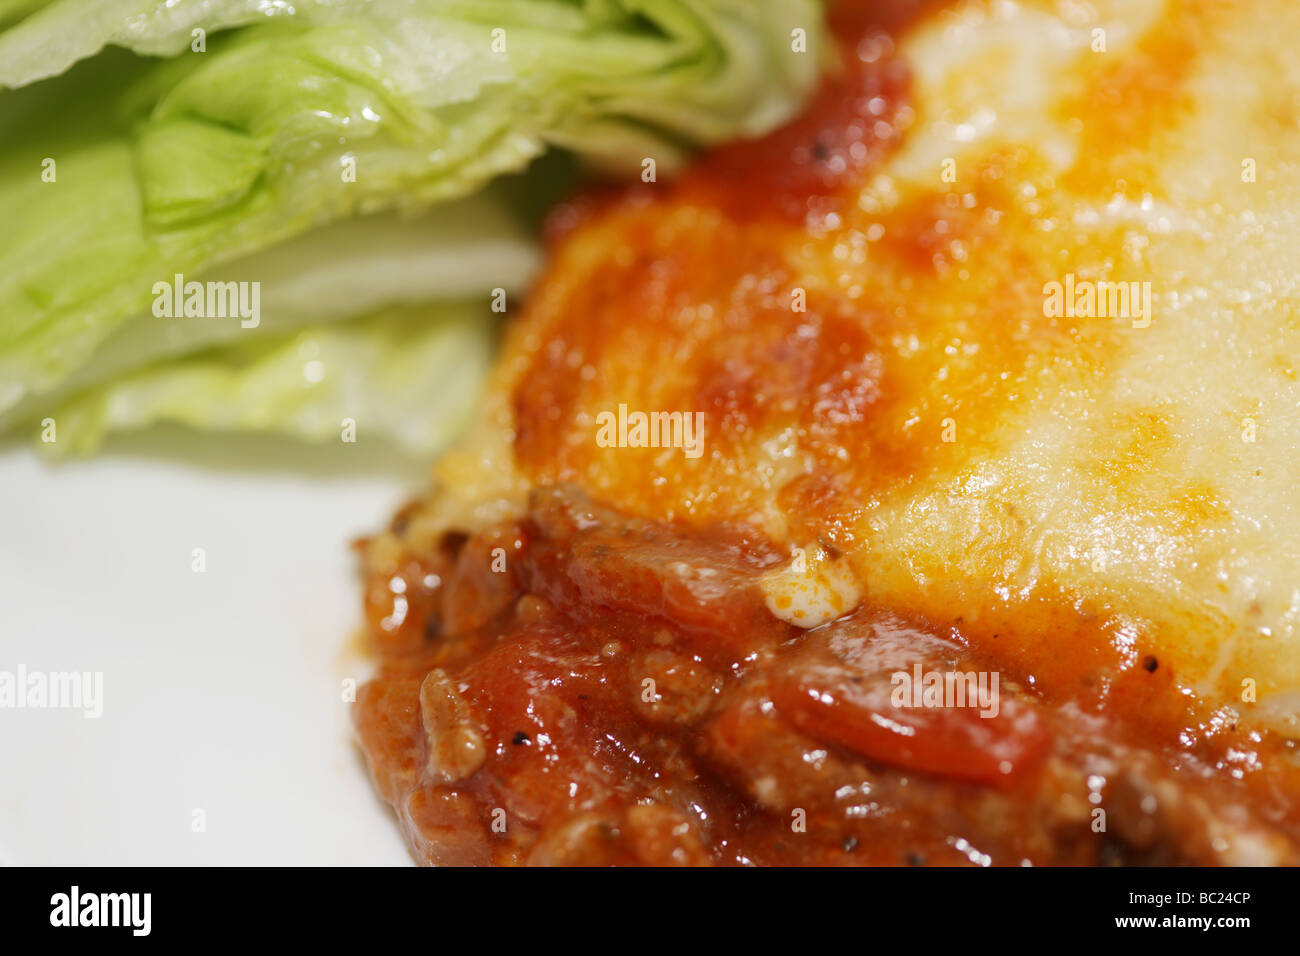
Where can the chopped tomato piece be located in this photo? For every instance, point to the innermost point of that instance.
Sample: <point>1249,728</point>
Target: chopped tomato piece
<point>950,741</point>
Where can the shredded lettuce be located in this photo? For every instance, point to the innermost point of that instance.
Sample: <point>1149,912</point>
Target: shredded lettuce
<point>338,152</point>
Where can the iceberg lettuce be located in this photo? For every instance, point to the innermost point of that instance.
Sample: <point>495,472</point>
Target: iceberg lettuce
<point>379,376</point>
<point>338,152</point>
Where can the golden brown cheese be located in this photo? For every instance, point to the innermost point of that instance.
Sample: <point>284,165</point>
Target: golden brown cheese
<point>881,370</point>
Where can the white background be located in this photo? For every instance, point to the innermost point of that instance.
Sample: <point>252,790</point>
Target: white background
<point>222,690</point>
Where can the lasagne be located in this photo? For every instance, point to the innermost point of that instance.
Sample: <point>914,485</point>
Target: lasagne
<point>913,486</point>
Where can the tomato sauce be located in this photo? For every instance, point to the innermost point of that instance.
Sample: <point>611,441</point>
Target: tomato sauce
<point>616,693</point>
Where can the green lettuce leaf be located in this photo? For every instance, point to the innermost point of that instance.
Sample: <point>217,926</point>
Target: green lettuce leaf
<point>11,11</point>
<point>409,375</point>
<point>335,273</point>
<point>296,119</point>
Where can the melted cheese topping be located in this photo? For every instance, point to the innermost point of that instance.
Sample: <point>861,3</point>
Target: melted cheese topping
<point>812,589</point>
<point>1092,492</point>
<point>1156,487</point>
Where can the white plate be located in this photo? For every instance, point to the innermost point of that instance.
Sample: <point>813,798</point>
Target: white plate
<point>222,690</point>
